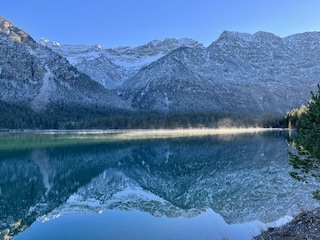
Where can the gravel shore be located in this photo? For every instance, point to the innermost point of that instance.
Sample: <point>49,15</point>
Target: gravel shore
<point>304,226</point>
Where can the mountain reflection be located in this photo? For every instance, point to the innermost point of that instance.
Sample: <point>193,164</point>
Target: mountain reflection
<point>241,177</point>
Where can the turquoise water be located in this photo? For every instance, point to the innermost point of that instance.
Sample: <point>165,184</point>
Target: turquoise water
<point>102,186</point>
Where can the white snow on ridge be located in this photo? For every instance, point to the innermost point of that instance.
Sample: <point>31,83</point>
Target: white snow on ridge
<point>107,66</point>
<point>259,71</point>
<point>134,63</point>
<point>46,42</point>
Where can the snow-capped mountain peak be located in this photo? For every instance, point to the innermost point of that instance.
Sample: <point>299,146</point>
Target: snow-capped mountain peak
<point>246,39</point>
<point>239,72</point>
<point>112,67</point>
<point>226,36</point>
<point>35,76</point>
<point>46,42</point>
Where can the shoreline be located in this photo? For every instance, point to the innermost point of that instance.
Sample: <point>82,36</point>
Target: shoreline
<point>193,131</point>
<point>305,225</point>
<point>29,138</point>
<point>142,134</point>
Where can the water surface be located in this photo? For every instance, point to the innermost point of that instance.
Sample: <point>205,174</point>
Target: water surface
<point>115,186</point>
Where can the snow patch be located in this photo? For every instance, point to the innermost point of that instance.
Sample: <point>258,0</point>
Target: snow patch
<point>166,101</point>
<point>46,42</point>
<point>134,63</point>
<point>42,99</point>
<point>112,67</point>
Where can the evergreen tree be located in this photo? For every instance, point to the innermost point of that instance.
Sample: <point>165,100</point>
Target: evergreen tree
<point>306,161</point>
<point>294,116</point>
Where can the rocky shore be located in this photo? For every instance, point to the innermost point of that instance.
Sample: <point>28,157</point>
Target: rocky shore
<point>304,226</point>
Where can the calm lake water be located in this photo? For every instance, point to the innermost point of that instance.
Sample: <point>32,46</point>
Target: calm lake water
<point>115,186</point>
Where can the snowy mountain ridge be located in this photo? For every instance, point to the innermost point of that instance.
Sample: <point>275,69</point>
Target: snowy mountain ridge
<point>259,72</point>
<point>239,72</point>
<point>256,74</point>
<point>34,75</point>
<point>111,67</point>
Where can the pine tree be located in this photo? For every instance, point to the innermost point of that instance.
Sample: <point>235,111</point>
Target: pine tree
<point>309,127</point>
<point>306,161</point>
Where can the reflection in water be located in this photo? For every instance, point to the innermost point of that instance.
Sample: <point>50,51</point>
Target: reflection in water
<point>41,159</point>
<point>305,158</point>
<point>242,178</point>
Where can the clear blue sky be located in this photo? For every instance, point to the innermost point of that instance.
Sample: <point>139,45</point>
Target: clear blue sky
<point>113,23</point>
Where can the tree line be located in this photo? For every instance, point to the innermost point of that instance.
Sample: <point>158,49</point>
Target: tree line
<point>81,117</point>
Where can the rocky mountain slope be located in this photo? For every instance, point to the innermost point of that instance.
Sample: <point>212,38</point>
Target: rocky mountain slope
<point>34,75</point>
<point>244,73</point>
<point>111,67</point>
<point>238,73</point>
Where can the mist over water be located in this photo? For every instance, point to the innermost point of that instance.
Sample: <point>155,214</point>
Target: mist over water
<point>218,180</point>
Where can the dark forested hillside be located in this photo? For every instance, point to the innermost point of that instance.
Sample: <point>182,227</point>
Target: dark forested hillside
<point>79,117</point>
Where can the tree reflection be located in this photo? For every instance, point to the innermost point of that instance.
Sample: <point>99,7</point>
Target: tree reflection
<point>306,159</point>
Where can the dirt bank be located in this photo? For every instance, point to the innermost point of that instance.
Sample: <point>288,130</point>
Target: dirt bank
<point>304,226</point>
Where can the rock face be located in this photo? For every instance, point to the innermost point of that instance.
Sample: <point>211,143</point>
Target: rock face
<point>239,72</point>
<point>111,67</point>
<point>34,75</point>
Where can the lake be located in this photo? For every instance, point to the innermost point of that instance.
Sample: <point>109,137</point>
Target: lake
<point>146,185</point>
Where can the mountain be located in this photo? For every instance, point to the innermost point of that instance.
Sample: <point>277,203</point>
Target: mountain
<point>259,73</point>
<point>111,67</point>
<point>255,74</point>
<point>36,76</point>
<point>239,72</point>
